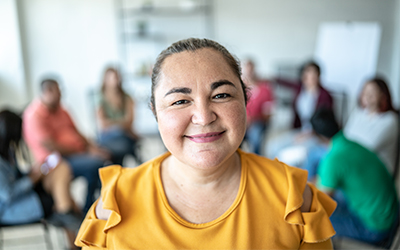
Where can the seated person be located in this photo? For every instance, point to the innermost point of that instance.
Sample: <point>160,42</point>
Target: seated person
<point>116,115</point>
<point>259,107</point>
<point>367,204</point>
<point>309,96</point>
<point>48,127</point>
<point>42,193</point>
<point>373,124</point>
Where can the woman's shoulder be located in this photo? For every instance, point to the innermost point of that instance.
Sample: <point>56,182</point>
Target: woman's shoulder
<point>304,204</point>
<point>324,94</point>
<point>268,164</point>
<point>115,180</point>
<point>111,175</point>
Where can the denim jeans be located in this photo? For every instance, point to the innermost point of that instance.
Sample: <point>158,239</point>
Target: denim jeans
<point>255,135</point>
<point>87,166</point>
<point>314,155</point>
<point>347,224</point>
<point>118,143</point>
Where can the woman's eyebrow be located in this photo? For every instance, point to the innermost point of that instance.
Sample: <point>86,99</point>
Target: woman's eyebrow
<point>179,90</point>
<point>218,84</point>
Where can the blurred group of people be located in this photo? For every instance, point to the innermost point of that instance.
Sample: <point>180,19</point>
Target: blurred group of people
<point>354,164</point>
<point>61,153</point>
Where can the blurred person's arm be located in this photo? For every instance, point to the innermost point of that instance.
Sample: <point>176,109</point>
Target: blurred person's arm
<point>293,84</point>
<point>19,187</point>
<point>268,104</point>
<point>51,146</point>
<point>127,122</point>
<point>327,190</point>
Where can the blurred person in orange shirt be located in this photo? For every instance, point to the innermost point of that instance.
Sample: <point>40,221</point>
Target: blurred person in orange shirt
<point>48,128</point>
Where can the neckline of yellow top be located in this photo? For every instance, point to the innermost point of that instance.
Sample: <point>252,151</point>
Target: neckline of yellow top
<point>239,196</point>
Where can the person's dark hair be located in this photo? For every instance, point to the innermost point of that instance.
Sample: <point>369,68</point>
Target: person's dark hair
<point>191,45</point>
<point>10,131</point>
<point>115,71</point>
<point>324,123</point>
<point>386,100</point>
<point>44,84</point>
<point>310,64</point>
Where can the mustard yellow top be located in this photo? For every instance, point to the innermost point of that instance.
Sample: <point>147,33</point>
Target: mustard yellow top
<point>265,214</point>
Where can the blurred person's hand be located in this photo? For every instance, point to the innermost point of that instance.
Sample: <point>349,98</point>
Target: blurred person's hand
<point>302,136</point>
<point>100,152</point>
<point>36,173</point>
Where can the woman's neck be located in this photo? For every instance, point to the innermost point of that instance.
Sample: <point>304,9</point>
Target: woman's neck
<point>372,110</point>
<point>313,89</point>
<point>191,177</point>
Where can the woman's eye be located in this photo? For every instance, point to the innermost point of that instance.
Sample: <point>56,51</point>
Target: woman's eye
<point>222,96</point>
<point>180,102</point>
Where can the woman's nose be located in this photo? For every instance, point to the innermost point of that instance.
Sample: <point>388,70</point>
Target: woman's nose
<point>203,114</point>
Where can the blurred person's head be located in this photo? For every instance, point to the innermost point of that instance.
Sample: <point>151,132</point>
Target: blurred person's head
<point>10,132</point>
<point>310,73</point>
<point>112,80</point>
<point>324,124</point>
<point>50,93</point>
<point>193,45</point>
<point>248,70</point>
<point>375,96</point>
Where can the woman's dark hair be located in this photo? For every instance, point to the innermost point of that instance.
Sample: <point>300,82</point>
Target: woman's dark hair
<point>310,64</point>
<point>10,131</point>
<point>386,100</point>
<point>324,123</point>
<point>119,86</point>
<point>191,45</point>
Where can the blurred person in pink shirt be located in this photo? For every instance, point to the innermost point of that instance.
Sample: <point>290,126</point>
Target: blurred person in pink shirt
<point>259,107</point>
<point>48,128</point>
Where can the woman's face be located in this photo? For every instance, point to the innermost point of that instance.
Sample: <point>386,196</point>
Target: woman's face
<point>111,79</point>
<point>200,108</point>
<point>371,96</point>
<point>310,77</point>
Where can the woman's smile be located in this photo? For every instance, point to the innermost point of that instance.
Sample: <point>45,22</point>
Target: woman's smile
<point>204,138</point>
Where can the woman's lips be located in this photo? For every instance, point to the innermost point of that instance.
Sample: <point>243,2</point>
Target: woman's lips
<point>204,138</point>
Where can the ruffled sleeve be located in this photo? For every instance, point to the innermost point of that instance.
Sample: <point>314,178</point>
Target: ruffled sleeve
<point>316,225</point>
<point>93,231</point>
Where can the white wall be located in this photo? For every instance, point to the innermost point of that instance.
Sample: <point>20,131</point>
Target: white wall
<point>13,92</point>
<point>74,39</point>
<point>396,58</point>
<point>276,32</point>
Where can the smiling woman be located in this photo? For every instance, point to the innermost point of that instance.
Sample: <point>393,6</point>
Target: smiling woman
<point>205,193</point>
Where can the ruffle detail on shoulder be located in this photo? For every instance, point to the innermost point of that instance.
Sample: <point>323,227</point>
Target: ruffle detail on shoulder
<point>93,230</point>
<point>316,224</point>
<point>109,177</point>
